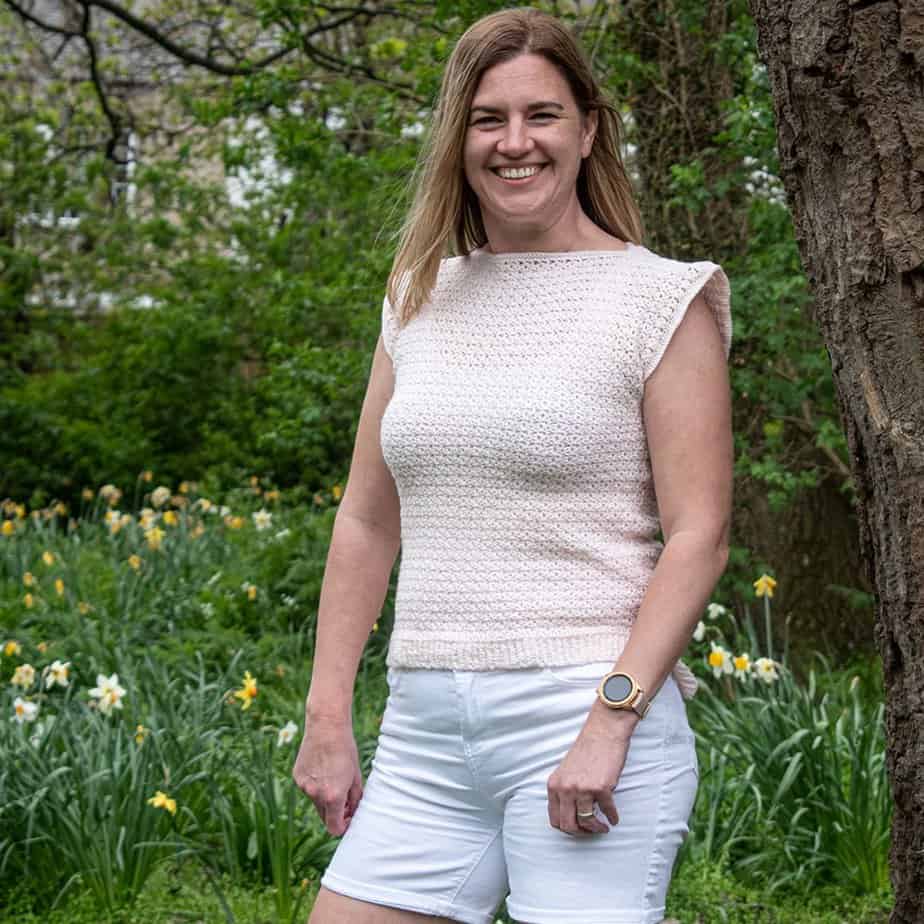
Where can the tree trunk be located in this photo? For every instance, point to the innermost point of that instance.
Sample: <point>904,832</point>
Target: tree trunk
<point>847,85</point>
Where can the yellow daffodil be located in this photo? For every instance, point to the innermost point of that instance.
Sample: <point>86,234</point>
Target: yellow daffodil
<point>87,494</point>
<point>12,647</point>
<point>61,509</point>
<point>28,579</point>
<point>48,557</point>
<point>134,562</point>
<point>59,587</point>
<point>184,487</point>
<point>280,670</point>
<point>375,626</point>
<point>764,585</point>
<point>197,531</point>
<point>20,510</point>
<point>140,734</point>
<point>233,522</point>
<point>720,660</point>
<point>8,528</point>
<point>337,491</point>
<point>29,600</point>
<point>250,590</point>
<point>155,537</point>
<point>147,476</point>
<point>254,480</point>
<point>170,518</point>
<point>42,647</point>
<point>162,800</point>
<point>248,692</point>
<point>23,676</point>
<point>84,607</point>
<point>272,495</point>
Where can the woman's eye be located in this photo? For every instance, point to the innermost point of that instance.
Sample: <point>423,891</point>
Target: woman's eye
<point>538,115</point>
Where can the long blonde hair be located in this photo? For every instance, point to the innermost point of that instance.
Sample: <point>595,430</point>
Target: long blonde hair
<point>444,206</point>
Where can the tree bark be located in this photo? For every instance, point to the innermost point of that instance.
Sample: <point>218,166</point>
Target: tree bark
<point>847,83</point>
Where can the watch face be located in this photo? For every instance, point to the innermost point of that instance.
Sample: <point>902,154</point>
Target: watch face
<point>617,687</point>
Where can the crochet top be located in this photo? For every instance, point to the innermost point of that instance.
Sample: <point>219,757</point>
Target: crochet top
<point>516,441</point>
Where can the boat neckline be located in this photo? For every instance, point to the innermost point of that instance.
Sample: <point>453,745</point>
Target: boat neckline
<point>552,254</point>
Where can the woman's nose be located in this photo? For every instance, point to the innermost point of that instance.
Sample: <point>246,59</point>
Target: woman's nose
<point>515,137</point>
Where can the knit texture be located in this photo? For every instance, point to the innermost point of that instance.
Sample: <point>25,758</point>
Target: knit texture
<point>516,441</point>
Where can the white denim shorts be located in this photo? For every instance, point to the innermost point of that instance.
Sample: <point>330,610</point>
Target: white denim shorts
<point>454,813</point>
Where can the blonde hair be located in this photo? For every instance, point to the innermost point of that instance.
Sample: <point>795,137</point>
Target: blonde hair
<point>445,207</point>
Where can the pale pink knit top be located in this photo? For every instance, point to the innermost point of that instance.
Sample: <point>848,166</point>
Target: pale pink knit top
<point>516,441</point>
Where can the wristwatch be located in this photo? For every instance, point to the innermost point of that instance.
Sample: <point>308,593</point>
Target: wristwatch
<point>619,690</point>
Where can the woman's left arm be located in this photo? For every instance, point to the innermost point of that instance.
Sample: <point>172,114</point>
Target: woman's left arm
<point>687,414</point>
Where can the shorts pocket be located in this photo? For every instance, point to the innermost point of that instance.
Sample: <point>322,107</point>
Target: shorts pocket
<point>392,677</point>
<point>578,675</point>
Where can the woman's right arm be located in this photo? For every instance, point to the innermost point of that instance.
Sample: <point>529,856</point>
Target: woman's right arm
<point>364,544</point>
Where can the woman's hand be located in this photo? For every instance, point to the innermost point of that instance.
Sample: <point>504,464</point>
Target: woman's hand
<point>327,770</point>
<point>590,772</point>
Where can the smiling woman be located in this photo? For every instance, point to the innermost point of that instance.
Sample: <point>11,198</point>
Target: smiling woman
<point>547,394</point>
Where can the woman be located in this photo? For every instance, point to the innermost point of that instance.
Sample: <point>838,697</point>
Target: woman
<point>554,393</point>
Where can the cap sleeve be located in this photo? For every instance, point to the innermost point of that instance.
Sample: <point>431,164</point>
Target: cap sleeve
<point>703,276</point>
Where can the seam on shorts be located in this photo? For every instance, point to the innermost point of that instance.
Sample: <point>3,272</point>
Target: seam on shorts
<point>474,865</point>
<point>398,898</point>
<point>469,757</point>
<point>655,852</point>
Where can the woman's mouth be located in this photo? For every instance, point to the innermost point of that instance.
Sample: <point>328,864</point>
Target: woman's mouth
<point>520,180</point>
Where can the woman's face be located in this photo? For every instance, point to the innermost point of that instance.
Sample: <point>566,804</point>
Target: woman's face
<point>523,114</point>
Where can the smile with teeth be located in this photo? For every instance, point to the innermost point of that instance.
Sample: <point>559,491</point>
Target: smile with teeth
<point>517,173</point>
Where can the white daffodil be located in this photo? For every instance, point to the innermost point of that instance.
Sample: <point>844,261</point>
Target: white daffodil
<point>288,600</point>
<point>719,659</point>
<point>765,668</point>
<point>715,610</point>
<point>742,665</point>
<point>262,518</point>
<point>23,676</point>
<point>108,693</point>
<point>286,733</point>
<point>282,534</point>
<point>24,711</point>
<point>56,673</point>
<point>160,496</point>
<point>700,631</point>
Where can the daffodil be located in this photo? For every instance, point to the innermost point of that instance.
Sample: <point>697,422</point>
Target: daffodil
<point>56,673</point>
<point>24,711</point>
<point>23,676</point>
<point>155,537</point>
<point>48,557</point>
<point>262,518</point>
<point>765,668</point>
<point>59,587</point>
<point>337,491</point>
<point>248,692</point>
<point>742,665</point>
<point>764,586</point>
<point>162,800</point>
<point>28,579</point>
<point>715,610</point>
<point>147,476</point>
<point>84,607</point>
<point>720,660</point>
<point>87,494</point>
<point>42,647</point>
<point>140,734</point>
<point>234,522</point>
<point>12,647</point>
<point>250,590</point>
<point>134,562</point>
<point>108,693</point>
<point>197,531</point>
<point>28,600</point>
<point>700,631</point>
<point>160,496</point>
<point>286,733</point>
<point>170,517</point>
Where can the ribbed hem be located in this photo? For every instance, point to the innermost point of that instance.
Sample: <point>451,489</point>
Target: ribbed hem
<point>492,653</point>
